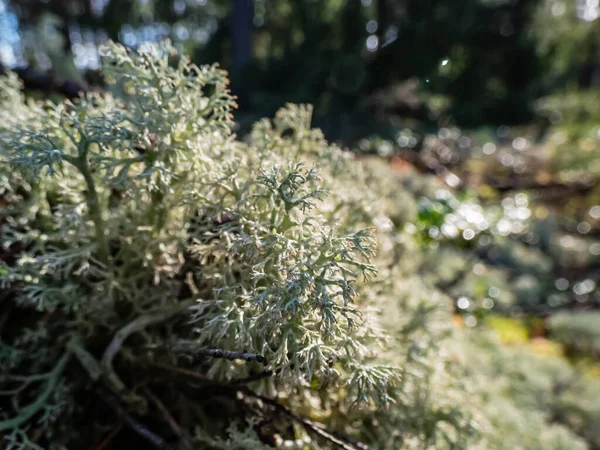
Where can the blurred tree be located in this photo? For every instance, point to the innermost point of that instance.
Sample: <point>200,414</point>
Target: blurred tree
<point>242,42</point>
<point>483,63</point>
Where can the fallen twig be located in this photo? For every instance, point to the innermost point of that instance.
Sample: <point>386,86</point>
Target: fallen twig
<point>333,437</point>
<point>251,378</point>
<point>133,424</point>
<point>152,318</point>
<point>168,417</point>
<point>183,372</point>
<point>342,442</point>
<point>188,347</point>
<point>109,438</point>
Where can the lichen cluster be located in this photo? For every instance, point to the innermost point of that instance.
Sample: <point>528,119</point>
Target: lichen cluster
<point>160,275</point>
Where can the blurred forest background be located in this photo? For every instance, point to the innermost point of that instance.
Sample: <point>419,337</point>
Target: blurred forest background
<point>497,100</point>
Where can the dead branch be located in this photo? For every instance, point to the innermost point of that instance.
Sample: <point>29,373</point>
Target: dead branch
<point>132,423</point>
<point>151,318</point>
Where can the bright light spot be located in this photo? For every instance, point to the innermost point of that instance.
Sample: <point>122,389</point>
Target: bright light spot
<point>98,7</point>
<point>410,228</point>
<point>478,269</point>
<point>468,234</point>
<point>507,202</point>
<point>7,54</point>
<point>372,43</point>
<point>470,321</point>
<point>179,7</point>
<point>483,225</point>
<point>385,149</point>
<point>523,213</point>
<point>443,194</point>
<point>463,303</point>
<point>372,26</point>
<point>521,200</point>
<point>444,133</point>
<point>364,145</point>
<point>585,287</point>
<point>520,144</point>
<point>493,292</point>
<point>588,10</point>
<point>445,62</point>
<point>472,213</point>
<point>489,148</point>
<point>595,212</point>
<point>402,141</point>
<point>488,303</point>
<point>517,227</point>
<point>503,227</point>
<point>507,159</point>
<point>584,227</point>
<point>561,284</point>
<point>383,223</point>
<point>181,32</point>
<point>452,180</point>
<point>595,249</point>
<point>449,230</point>
<point>464,142</point>
<point>567,241</point>
<point>434,232</point>
<point>485,240</point>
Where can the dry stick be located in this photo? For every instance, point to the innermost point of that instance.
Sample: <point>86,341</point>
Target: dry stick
<point>140,429</point>
<point>165,413</point>
<point>342,442</point>
<point>86,359</point>
<point>187,373</point>
<point>110,437</point>
<point>334,438</point>
<point>169,418</point>
<point>138,324</point>
<point>94,370</point>
<point>184,347</point>
<point>255,377</point>
<point>204,379</point>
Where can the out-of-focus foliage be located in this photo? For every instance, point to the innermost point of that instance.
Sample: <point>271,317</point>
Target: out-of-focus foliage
<point>575,140</point>
<point>578,330</point>
<point>545,388</point>
<point>368,66</point>
<point>567,35</point>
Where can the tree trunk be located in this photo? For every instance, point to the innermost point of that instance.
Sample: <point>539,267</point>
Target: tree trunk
<point>241,24</point>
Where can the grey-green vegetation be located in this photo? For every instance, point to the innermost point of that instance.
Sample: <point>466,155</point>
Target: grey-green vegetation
<point>211,292</point>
